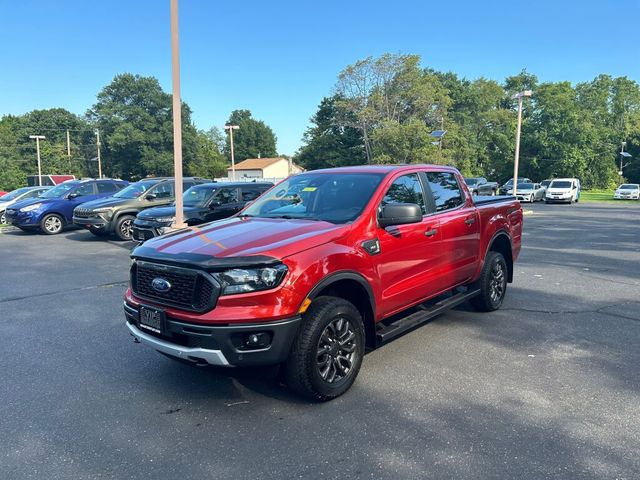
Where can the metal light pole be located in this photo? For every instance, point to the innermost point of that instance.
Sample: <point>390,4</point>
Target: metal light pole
<point>519,96</point>
<point>37,138</point>
<point>99,158</point>
<point>231,128</point>
<point>623,155</point>
<point>178,222</point>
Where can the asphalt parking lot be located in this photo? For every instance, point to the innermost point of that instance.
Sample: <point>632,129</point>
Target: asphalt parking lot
<point>547,387</point>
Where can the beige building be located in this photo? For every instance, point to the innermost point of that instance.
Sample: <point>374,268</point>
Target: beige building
<point>278,167</point>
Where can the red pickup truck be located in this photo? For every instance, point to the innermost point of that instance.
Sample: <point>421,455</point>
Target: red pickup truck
<point>322,267</point>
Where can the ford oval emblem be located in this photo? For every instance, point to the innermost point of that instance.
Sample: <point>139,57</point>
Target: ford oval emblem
<point>161,285</point>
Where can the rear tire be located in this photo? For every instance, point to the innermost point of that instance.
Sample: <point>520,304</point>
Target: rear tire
<point>124,228</point>
<point>327,353</point>
<point>492,283</point>
<point>52,224</point>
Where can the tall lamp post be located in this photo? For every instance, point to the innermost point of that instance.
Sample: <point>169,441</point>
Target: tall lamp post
<point>231,128</point>
<point>178,221</point>
<point>37,138</point>
<point>519,96</point>
<point>623,155</point>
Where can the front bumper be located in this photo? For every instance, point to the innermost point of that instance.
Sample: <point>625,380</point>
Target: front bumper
<point>95,222</point>
<point>23,219</point>
<point>558,200</point>
<point>221,345</point>
<point>142,234</point>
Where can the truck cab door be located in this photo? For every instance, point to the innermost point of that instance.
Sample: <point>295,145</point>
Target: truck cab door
<point>460,229</point>
<point>406,260</point>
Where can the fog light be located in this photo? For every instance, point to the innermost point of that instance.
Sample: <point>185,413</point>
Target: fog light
<point>257,340</point>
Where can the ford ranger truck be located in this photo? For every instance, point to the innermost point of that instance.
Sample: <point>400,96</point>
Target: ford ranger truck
<point>322,267</point>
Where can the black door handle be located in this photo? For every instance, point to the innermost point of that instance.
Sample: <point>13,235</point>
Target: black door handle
<point>431,233</point>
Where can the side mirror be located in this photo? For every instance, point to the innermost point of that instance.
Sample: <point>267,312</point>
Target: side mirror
<point>71,196</point>
<point>399,214</point>
<point>151,196</point>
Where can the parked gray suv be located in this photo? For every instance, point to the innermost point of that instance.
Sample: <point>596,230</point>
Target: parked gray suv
<point>116,214</point>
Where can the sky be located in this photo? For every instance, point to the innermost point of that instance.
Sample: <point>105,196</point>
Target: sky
<point>280,58</point>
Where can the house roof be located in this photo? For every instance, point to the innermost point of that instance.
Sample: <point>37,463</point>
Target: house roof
<point>257,163</point>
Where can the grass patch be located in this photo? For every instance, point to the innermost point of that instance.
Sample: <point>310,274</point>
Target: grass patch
<point>602,196</point>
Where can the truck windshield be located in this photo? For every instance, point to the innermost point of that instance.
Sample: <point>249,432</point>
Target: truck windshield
<point>330,197</point>
<point>58,191</point>
<point>134,190</point>
<point>561,184</point>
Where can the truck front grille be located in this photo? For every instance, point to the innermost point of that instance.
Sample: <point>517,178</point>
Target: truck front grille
<point>192,290</point>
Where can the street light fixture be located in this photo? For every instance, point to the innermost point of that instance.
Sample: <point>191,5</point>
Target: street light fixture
<point>623,155</point>
<point>231,128</point>
<point>519,96</point>
<point>37,138</point>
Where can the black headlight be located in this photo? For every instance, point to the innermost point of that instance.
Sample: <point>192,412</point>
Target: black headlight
<point>243,280</point>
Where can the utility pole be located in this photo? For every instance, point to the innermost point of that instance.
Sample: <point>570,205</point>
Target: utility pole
<point>37,138</point>
<point>99,159</point>
<point>623,155</point>
<point>178,221</point>
<point>231,128</point>
<point>519,96</point>
<point>68,145</point>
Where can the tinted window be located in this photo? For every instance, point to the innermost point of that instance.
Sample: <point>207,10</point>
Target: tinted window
<point>445,189</point>
<point>406,189</point>
<point>557,184</point>
<point>86,189</point>
<point>251,193</point>
<point>227,195</point>
<point>107,188</point>
<point>163,190</point>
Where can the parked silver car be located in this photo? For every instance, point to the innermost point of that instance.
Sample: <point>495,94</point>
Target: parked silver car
<point>528,192</point>
<point>24,193</point>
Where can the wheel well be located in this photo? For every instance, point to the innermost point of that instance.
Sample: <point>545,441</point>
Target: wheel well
<point>502,244</point>
<point>354,292</point>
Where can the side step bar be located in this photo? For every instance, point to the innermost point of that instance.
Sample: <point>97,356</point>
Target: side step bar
<point>391,331</point>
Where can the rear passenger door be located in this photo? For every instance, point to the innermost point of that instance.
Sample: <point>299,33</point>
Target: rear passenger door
<point>406,262</point>
<point>460,228</point>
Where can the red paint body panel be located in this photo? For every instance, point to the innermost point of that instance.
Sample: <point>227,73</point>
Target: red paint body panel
<point>410,268</point>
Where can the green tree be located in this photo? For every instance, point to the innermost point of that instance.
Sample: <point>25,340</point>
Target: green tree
<point>327,144</point>
<point>134,116</point>
<point>210,159</point>
<point>252,140</point>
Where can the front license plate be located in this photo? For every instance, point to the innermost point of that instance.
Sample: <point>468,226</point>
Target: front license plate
<point>151,319</point>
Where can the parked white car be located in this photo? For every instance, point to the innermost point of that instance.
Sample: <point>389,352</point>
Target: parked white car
<point>18,195</point>
<point>528,192</point>
<point>629,191</point>
<point>563,190</point>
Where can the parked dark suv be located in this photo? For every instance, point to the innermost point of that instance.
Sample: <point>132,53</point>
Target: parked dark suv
<point>116,214</point>
<point>202,203</point>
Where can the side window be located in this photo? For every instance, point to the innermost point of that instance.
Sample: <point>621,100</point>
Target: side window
<point>445,189</point>
<point>107,188</point>
<point>86,189</point>
<point>227,195</point>
<point>249,194</point>
<point>163,190</point>
<point>406,189</point>
<point>34,193</point>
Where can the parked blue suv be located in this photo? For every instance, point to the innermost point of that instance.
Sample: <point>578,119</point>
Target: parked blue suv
<point>53,210</point>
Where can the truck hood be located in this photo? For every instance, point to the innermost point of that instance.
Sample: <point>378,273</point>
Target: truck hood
<point>239,239</point>
<point>106,202</point>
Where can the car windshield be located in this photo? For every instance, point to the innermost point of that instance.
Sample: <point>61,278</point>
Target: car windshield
<point>330,197</point>
<point>471,181</point>
<point>134,190</point>
<point>546,183</point>
<point>197,195</point>
<point>562,184</point>
<point>525,186</point>
<point>629,186</point>
<point>15,194</point>
<point>58,191</point>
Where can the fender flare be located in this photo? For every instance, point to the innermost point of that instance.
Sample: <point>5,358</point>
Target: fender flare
<point>344,275</point>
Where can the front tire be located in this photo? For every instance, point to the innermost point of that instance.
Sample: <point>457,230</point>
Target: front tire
<point>124,228</point>
<point>3,218</point>
<point>492,283</point>
<point>52,224</point>
<point>328,351</point>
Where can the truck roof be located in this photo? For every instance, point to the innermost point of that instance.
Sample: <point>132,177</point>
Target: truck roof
<point>383,168</point>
